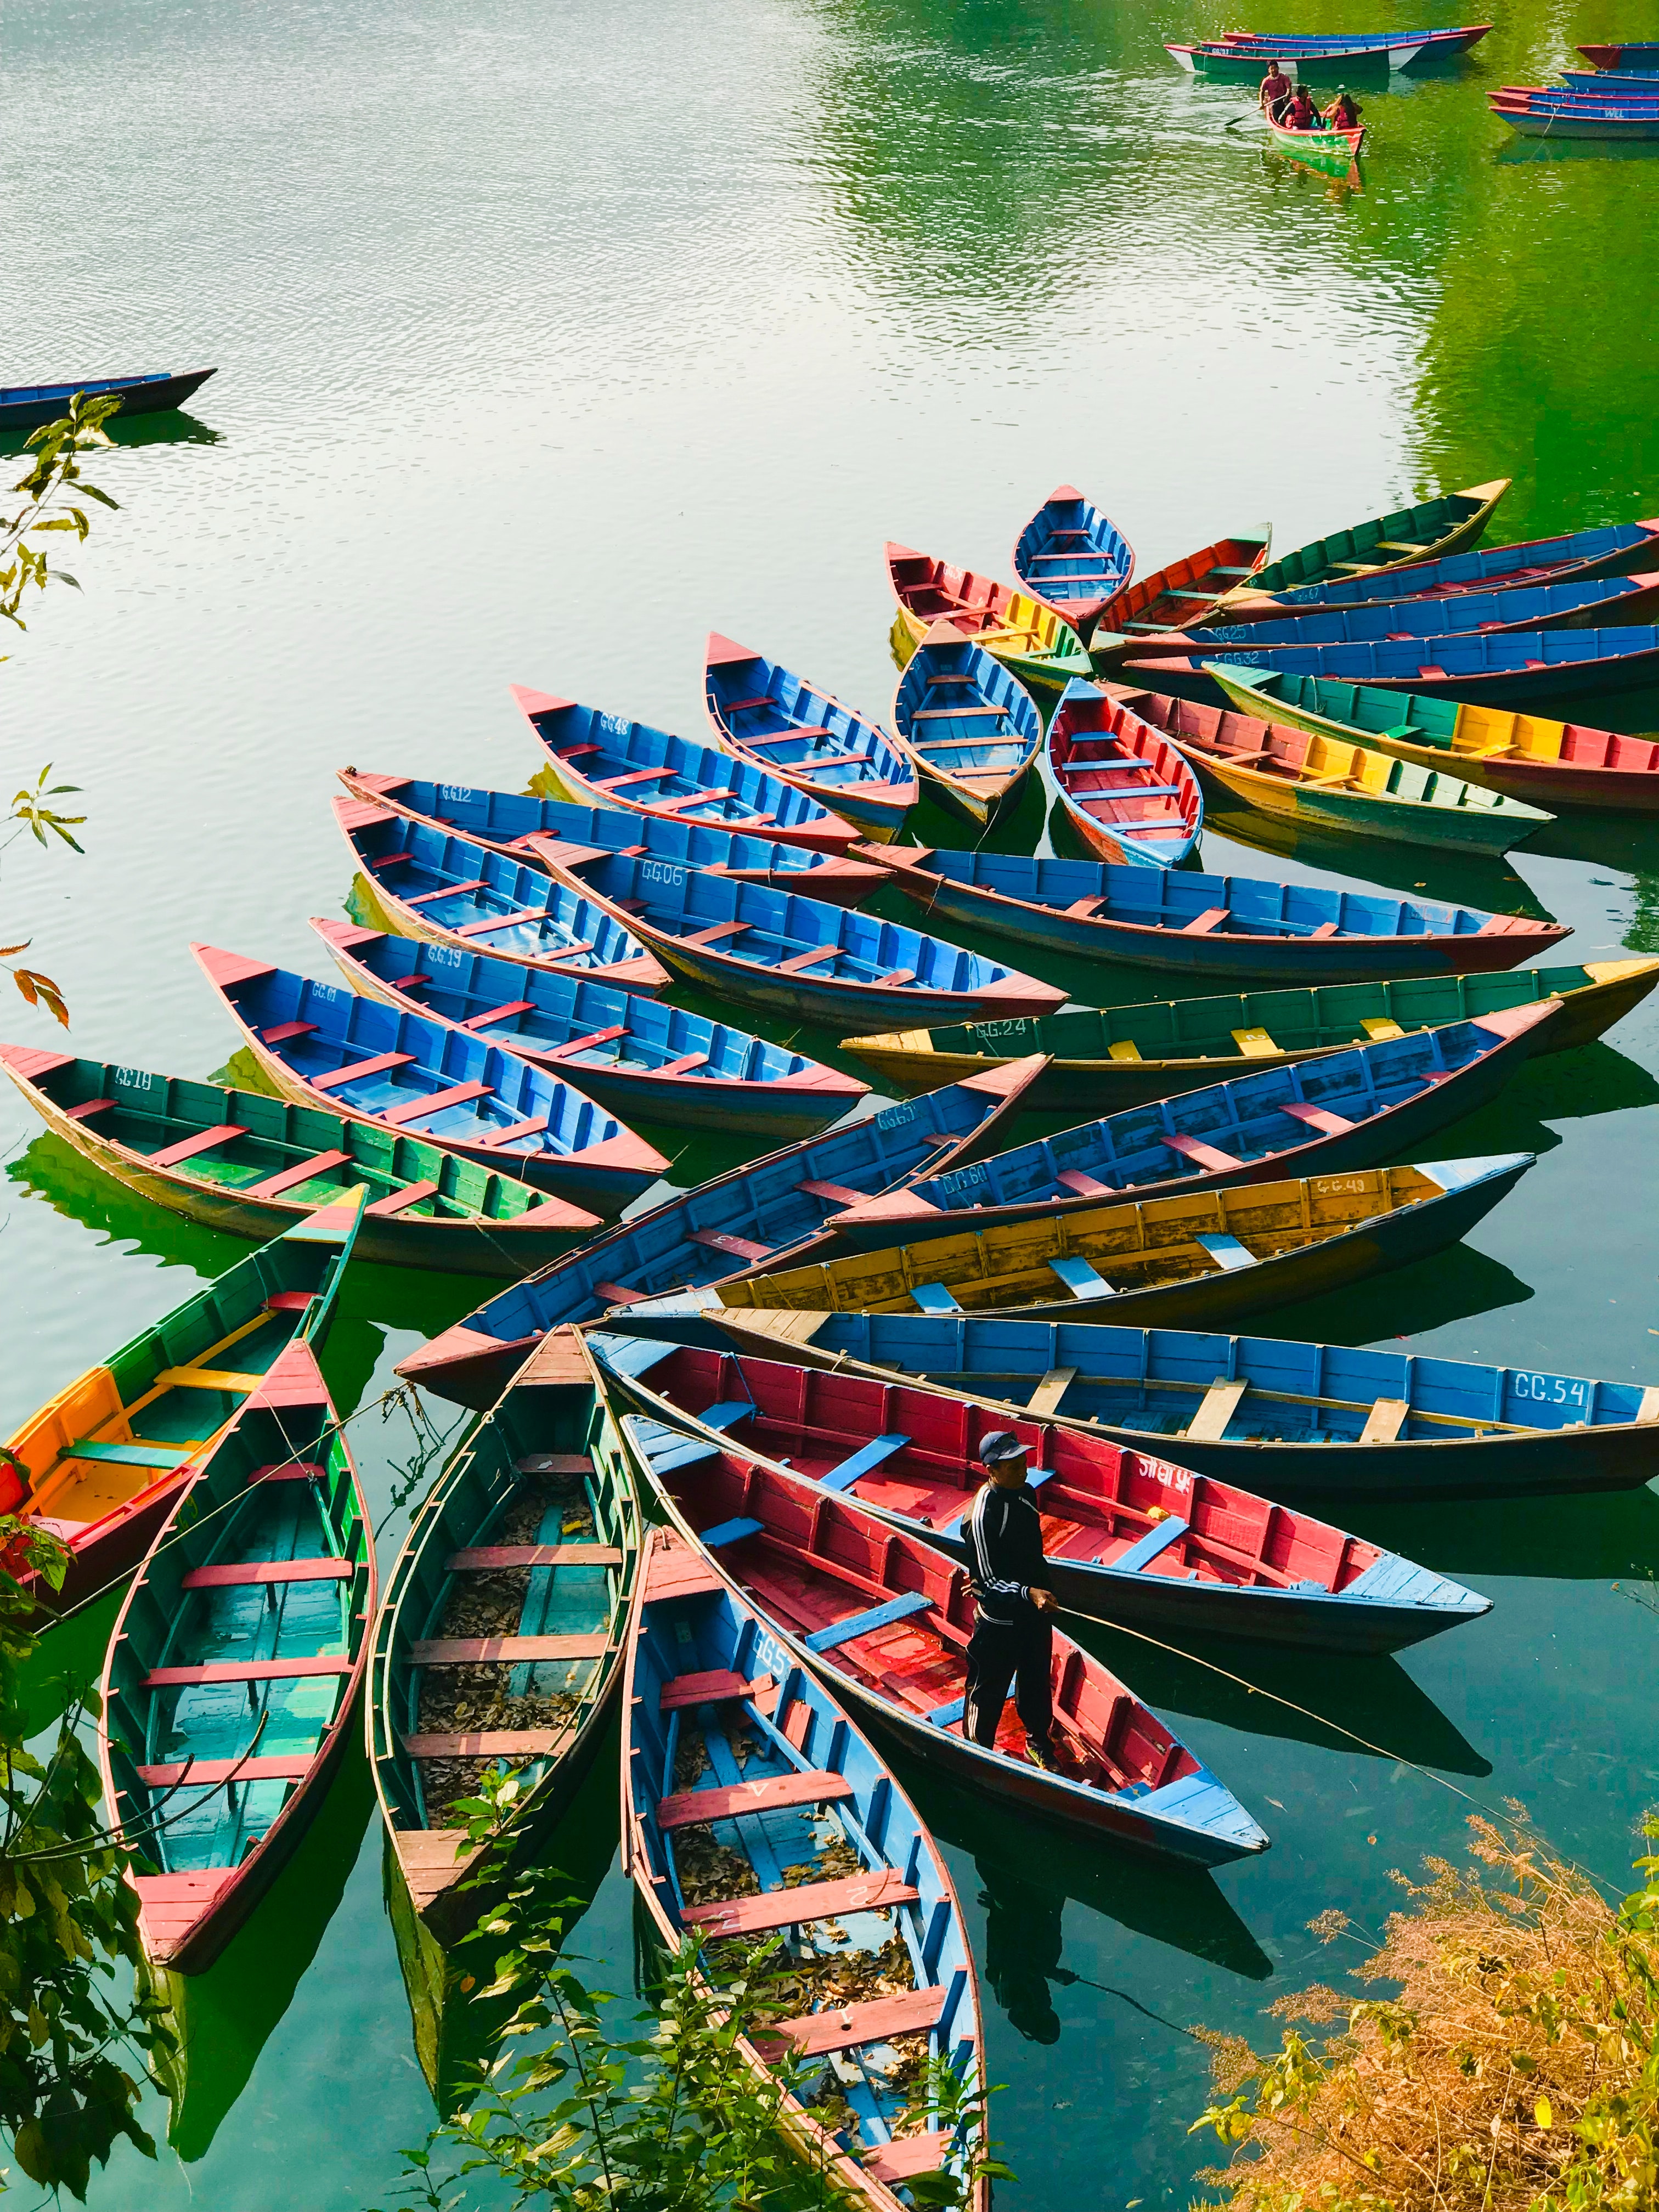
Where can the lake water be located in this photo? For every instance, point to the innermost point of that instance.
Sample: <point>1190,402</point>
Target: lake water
<point>550,337</point>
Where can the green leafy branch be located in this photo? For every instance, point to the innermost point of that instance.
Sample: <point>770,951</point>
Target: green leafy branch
<point>52,490</point>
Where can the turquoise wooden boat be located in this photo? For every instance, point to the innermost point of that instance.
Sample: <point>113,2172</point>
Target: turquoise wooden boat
<point>502,1639</point>
<point>1429,531</point>
<point>969,724</point>
<point>770,716</point>
<point>1073,559</point>
<point>639,1058</point>
<point>235,1664</point>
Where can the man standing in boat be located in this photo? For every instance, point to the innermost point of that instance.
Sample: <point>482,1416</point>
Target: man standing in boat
<point>1013,1638</point>
<point>1277,92</point>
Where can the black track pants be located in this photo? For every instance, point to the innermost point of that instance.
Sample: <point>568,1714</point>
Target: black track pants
<point>1001,1652</point>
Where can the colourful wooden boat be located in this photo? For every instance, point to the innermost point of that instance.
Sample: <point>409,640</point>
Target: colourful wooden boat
<point>1222,62</point>
<point>1530,119</point>
<point>1030,640</point>
<point>446,891</point>
<point>103,1463</point>
<point>324,1047</point>
<point>258,1166</point>
<point>771,1209</point>
<point>1427,532</point>
<point>1579,605</point>
<point>1552,763</point>
<point>1182,594</point>
<point>1202,1257</point>
<point>1333,784</point>
<point>1510,670</point>
<point>1634,54</point>
<point>1126,792</point>
<point>885,1620</point>
<point>778,721</point>
<point>1288,1420</point>
<point>1121,1056</point>
<point>1206,925</point>
<point>1345,1109</point>
<point>1615,97</point>
<point>235,1665</point>
<point>969,723</point>
<point>1073,559</point>
<point>637,1057</point>
<point>813,1838</point>
<point>1616,551</point>
<point>1456,40</point>
<point>1129,1538</point>
<point>27,406</point>
<point>1394,50</point>
<point>1331,150</point>
<point>1611,83</point>
<point>793,955</point>
<point>522,827</point>
<point>599,760</point>
<point>502,1636</point>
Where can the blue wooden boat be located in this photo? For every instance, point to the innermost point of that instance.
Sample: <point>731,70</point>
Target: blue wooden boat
<point>778,721</point>
<point>637,1057</point>
<point>1130,1538</point>
<point>1461,37</point>
<point>533,1530</point>
<point>1212,925</point>
<point>1073,558</point>
<point>1356,1108</point>
<point>446,891</point>
<point>1615,551</point>
<point>1511,668</point>
<point>525,828</point>
<point>1286,1420</point>
<point>1531,117</point>
<point>599,760</point>
<point>27,406</point>
<point>761,947</point>
<point>969,724</point>
<point>812,1565</point>
<point>1577,605</point>
<point>235,1664</point>
<point>792,1794</point>
<point>770,1210</point>
<point>325,1047</point>
<point>1127,793</point>
<point>1633,54</point>
<point>1611,84</point>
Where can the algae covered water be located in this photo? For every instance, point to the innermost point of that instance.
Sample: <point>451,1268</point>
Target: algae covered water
<point>551,338</point>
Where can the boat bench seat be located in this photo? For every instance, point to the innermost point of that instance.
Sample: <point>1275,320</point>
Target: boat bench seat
<point>506,1650</point>
<point>210,1773</point>
<point>684,1065</point>
<point>516,919</point>
<point>448,890</point>
<point>867,1623</point>
<point>840,2027</point>
<point>251,1574</point>
<point>510,1135</point>
<point>487,1743</point>
<point>573,1045</point>
<point>1084,1186</point>
<point>554,1463</point>
<point>1317,1117</point>
<point>128,1455</point>
<point>741,1248</point>
<point>863,1462</point>
<point>1081,1279</point>
<point>1379,1027</point>
<point>634,775</point>
<point>710,1689</point>
<point>1125,1048</point>
<point>1200,1154</point>
<point>1387,1417</point>
<point>1255,1044</point>
<point>381,1063</point>
<point>399,1201</point>
<point>202,1140</point>
<point>691,1809</point>
<point>436,1102</point>
<point>729,1532</point>
<point>1085,909</point>
<point>809,959</point>
<point>284,1032</point>
<point>206,1378</point>
<point>836,1193</point>
<point>874,1891</point>
<point>1216,1408</point>
<point>273,1186</point>
<point>87,1108</point>
<point>1212,918</point>
<point>933,1298</point>
<point>243,1670</point>
<point>1226,1251</point>
<point>491,1015</point>
<point>1158,1538</point>
<point>720,930</point>
<point>490,1558</point>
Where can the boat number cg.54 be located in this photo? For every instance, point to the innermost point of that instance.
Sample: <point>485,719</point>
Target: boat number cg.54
<point>1547,1389</point>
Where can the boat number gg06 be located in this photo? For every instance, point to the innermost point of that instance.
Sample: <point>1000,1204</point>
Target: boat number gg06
<point>659,872</point>
<point>1547,1389</point>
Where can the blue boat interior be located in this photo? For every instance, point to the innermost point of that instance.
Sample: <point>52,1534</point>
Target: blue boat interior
<point>1535,559</point>
<point>1070,551</point>
<point>1432,617</point>
<point>765,708</point>
<point>961,713</point>
<point>1471,653</point>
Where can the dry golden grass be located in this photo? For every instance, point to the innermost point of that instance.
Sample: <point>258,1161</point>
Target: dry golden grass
<point>1517,2067</point>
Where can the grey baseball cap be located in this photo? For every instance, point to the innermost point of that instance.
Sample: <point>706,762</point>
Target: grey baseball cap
<point>1000,1446</point>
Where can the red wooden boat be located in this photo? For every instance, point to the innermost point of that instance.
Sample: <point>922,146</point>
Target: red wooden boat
<point>886,1620</point>
<point>1185,592</point>
<point>1127,792</point>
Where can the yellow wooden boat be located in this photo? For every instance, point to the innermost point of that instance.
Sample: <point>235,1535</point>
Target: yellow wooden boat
<point>1190,1260</point>
<point>1107,1058</point>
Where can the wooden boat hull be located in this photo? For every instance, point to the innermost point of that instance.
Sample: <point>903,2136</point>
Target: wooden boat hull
<point>1511,670</point>
<point>773,1207</point>
<point>1333,151</point>
<point>1417,1212</point>
<point>1545,123</point>
<point>107,1502</point>
<point>1032,643</point>
<point>209,1881</point>
<point>1633,54</point>
<point>802,1097</point>
<point>1550,603</point>
<point>647,771</point>
<point>535,1458</point>
<point>1099,560</point>
<point>1215,952</point>
<point>807,738</point>
<point>1186,591</point>
<point>24,407</point>
<point>1224,1563</point>
<point>693,1625</point>
<point>1127,793</point>
<point>1572,766</point>
<point>491,1225</point>
<point>951,690</point>
<point>1429,531</point>
<point>1216,65</point>
<point>1168,1057</point>
<point>1143,1387</point>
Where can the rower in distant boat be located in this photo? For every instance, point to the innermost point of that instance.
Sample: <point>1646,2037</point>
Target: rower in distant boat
<point>1012,1640</point>
<point>1343,113</point>
<point>1277,92</point>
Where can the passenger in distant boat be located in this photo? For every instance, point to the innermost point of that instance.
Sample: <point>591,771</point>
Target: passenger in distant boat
<point>1301,114</point>
<point>1276,91</point>
<point>1342,114</point>
<point>1013,1640</point>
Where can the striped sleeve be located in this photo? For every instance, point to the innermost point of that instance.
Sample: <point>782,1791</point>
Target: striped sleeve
<point>981,1536</point>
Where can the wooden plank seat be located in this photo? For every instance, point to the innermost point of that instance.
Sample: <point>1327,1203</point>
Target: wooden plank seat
<point>288,1470</point>
<point>933,1298</point>
<point>868,1622</point>
<point>580,752</point>
<point>487,1743</point>
<point>1045,1398</point>
<point>491,1015</point>
<point>682,1066</point>
<point>554,1463</point>
<point>1387,1417</point>
<point>898,975</point>
<point>284,1032</point>
<point>205,1140</point>
<point>571,1046</point>
<point>713,935</point>
<point>448,890</point>
<point>836,1193</point>
<point>243,1670</point>
<point>619,1294</point>
<point>437,1101</point>
<point>1200,1154</point>
<point>488,1559</point>
<point>790,1908</point>
<point>510,1135</point>
<point>863,1462</point>
<point>1125,1048</point>
<point>692,1808</point>
<point>1326,929</point>
<point>634,775</point>
<point>520,916</point>
<point>905,2157</point>
<point>1158,1539</point>
<point>1212,918</point>
<point>506,1650</point>
<point>1379,1027</point>
<point>399,1201</point>
<point>1081,1279</point>
<point>1216,1408</point>
<point>1084,1186</point>
<point>1085,909</point>
<point>381,1063</point>
<point>809,959</point>
<point>1255,1044</point>
<point>741,1248</point>
<point>210,1772</point>
<point>958,713</point>
<point>390,861</point>
<point>132,1453</point>
<point>1226,1251</point>
<point>679,798</point>
<point>743,706</point>
<point>713,1688</point>
<point>839,2028</point>
<point>255,1574</point>
<point>273,1186</point>
<point>1317,1117</point>
<point>782,737</point>
<point>201,1377</point>
<point>87,1108</point>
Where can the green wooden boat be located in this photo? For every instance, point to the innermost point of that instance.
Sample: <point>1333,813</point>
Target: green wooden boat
<point>1118,1056</point>
<point>1427,532</point>
<point>501,1637</point>
<point>242,1161</point>
<point>235,1666</point>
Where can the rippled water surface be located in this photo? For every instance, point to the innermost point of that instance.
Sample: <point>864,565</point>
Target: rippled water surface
<point>549,337</point>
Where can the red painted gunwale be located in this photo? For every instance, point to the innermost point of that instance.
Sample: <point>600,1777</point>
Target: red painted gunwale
<point>1168,595</point>
<point>1092,806</point>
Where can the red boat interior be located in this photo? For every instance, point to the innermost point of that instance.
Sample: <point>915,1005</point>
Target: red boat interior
<point>812,1560</point>
<point>1176,596</point>
<point>930,589</point>
<point>1114,768</point>
<point>910,1451</point>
